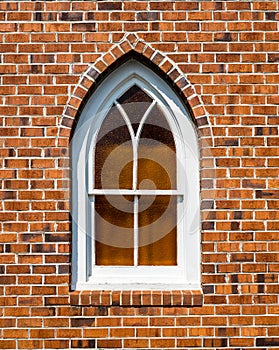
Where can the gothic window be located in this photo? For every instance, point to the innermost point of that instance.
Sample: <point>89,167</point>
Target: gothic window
<point>135,185</point>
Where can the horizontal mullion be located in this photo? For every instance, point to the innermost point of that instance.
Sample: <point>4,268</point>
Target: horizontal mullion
<point>136,192</point>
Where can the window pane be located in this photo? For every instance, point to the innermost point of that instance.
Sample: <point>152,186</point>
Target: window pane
<point>156,153</point>
<point>135,103</point>
<point>113,153</point>
<point>114,234</point>
<point>157,230</point>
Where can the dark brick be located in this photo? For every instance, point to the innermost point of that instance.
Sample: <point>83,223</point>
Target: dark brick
<point>158,58</point>
<point>79,343</point>
<point>270,16</point>
<point>57,237</point>
<point>202,121</point>
<point>225,37</point>
<point>101,311</point>
<point>267,194</point>
<point>7,195</point>
<point>93,73</point>
<point>208,225</point>
<point>237,215</point>
<point>84,27</point>
<point>82,322</point>
<point>43,248</point>
<point>174,74</point>
<point>38,16</point>
<point>70,16</point>
<point>110,5</point>
<point>235,226</point>
<point>208,289</point>
<point>267,341</point>
<point>207,204</point>
<point>64,269</point>
<point>232,142</point>
<point>260,288</point>
<point>182,83</point>
<point>234,289</point>
<point>147,16</point>
<point>234,278</point>
<point>260,278</point>
<point>218,5</point>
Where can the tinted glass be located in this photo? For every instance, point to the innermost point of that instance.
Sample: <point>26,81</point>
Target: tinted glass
<point>113,153</point>
<point>157,231</point>
<point>156,153</point>
<point>114,238</point>
<point>135,103</point>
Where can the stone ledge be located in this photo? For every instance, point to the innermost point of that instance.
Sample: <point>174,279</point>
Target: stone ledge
<point>137,298</point>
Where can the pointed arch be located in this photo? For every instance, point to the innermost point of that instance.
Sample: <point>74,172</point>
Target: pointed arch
<point>131,46</point>
<point>160,228</point>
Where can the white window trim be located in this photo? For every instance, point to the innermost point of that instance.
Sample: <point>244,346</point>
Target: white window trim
<point>186,275</point>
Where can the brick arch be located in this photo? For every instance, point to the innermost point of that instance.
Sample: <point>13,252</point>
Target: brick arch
<point>131,43</point>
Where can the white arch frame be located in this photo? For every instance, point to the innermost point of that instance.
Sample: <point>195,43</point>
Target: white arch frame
<point>186,275</point>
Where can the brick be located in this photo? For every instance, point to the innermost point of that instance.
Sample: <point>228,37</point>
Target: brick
<point>135,343</point>
<point>147,16</point>
<point>189,342</point>
<point>109,343</point>
<point>228,54</point>
<point>109,6</point>
<point>7,344</point>
<point>30,344</point>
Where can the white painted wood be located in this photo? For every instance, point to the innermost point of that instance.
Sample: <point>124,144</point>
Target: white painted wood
<point>136,230</point>
<point>121,192</point>
<point>186,275</point>
<point>145,116</point>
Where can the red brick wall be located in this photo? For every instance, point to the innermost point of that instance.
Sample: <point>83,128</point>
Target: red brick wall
<point>228,51</point>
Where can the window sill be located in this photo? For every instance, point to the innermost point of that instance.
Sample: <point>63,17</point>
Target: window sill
<point>137,298</point>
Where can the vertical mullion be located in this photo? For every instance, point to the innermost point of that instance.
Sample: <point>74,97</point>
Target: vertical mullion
<point>135,184</point>
<point>135,163</point>
<point>136,202</point>
<point>136,230</point>
<point>90,238</point>
<point>179,229</point>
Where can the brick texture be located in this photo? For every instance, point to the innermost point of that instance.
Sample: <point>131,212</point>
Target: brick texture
<point>222,58</point>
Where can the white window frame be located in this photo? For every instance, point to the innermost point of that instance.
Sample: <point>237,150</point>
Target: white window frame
<point>86,276</point>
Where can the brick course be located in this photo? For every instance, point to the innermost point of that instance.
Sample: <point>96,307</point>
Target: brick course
<point>222,57</point>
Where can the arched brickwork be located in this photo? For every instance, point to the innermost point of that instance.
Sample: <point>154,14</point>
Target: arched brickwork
<point>132,43</point>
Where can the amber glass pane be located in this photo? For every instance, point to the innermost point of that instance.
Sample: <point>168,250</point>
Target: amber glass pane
<point>114,238</point>
<point>156,153</point>
<point>113,153</point>
<point>157,231</point>
<point>135,103</point>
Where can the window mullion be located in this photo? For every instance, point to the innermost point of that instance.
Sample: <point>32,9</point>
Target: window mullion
<point>146,114</point>
<point>121,192</point>
<point>136,230</point>
<point>135,163</point>
<point>126,119</point>
<point>90,238</point>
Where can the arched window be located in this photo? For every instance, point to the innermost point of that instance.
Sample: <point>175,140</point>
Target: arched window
<point>135,187</point>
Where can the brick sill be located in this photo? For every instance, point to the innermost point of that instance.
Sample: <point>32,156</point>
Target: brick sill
<point>137,298</point>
